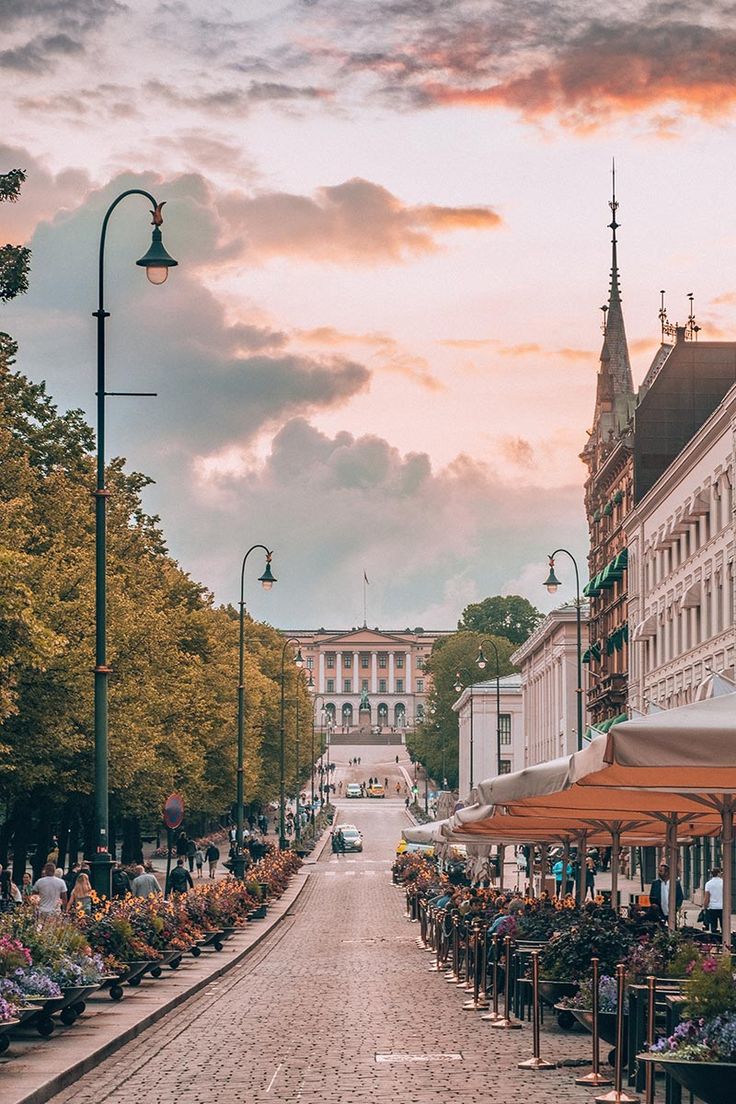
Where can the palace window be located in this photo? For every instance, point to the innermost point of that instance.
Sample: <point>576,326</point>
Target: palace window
<point>365,661</point>
<point>504,727</point>
<point>347,686</point>
<point>400,686</point>
<point>347,662</point>
<point>382,686</point>
<point>330,686</point>
<point>420,686</point>
<point>400,661</point>
<point>330,660</point>
<point>382,660</point>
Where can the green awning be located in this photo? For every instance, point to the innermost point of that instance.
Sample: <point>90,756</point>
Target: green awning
<point>608,723</point>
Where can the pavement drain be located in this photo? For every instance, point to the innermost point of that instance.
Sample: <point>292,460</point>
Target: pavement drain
<point>407,1059</point>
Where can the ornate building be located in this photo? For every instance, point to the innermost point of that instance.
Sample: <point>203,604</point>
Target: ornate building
<point>608,456</point>
<point>367,678</point>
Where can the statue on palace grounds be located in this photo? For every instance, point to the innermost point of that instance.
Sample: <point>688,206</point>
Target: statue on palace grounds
<point>364,703</point>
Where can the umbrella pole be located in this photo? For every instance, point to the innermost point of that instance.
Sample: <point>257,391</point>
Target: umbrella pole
<point>727,848</point>
<point>565,864</point>
<point>582,855</point>
<point>615,847</point>
<point>672,857</point>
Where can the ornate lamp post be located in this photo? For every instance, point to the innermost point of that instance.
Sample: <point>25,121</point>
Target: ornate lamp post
<point>282,742</point>
<point>157,263</point>
<point>458,690</point>
<point>552,583</point>
<point>266,580</point>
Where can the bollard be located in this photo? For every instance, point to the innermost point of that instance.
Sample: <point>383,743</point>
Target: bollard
<point>494,1014</point>
<point>507,1021</point>
<point>596,1077</point>
<point>462,966</point>
<point>617,1094</point>
<point>535,1062</point>
<point>407,914</point>
<point>477,1003</point>
<point>454,973</point>
<point>651,1011</point>
<point>439,924</point>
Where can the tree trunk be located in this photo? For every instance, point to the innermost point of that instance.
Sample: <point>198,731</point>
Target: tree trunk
<point>21,821</point>
<point>43,836</point>
<point>132,850</point>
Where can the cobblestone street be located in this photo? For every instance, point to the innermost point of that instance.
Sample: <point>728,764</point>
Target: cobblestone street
<point>335,1005</point>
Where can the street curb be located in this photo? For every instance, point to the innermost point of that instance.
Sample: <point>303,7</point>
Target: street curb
<point>72,1073</point>
<point>319,846</point>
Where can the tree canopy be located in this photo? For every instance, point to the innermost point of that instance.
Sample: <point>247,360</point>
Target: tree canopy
<point>14,259</point>
<point>510,616</point>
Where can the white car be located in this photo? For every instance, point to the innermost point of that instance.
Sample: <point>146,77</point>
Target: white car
<point>353,790</point>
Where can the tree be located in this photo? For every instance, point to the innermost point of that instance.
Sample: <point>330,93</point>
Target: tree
<point>453,658</point>
<point>512,617</point>
<point>14,259</point>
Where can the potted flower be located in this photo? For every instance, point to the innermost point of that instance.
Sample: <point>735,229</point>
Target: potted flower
<point>565,961</point>
<point>701,1052</point>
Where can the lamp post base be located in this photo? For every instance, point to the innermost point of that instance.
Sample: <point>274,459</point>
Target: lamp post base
<point>283,843</point>
<point>100,873</point>
<point>237,866</point>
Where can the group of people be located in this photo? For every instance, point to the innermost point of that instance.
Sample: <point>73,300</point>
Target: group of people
<point>196,855</point>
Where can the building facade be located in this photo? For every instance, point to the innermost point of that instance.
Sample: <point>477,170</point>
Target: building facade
<point>547,664</point>
<point>367,678</point>
<point>681,536</point>
<point>478,714</point>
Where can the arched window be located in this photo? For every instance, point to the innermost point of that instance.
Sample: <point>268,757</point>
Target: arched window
<point>420,712</point>
<point>400,715</point>
<point>383,714</point>
<point>330,713</point>
<point>347,714</point>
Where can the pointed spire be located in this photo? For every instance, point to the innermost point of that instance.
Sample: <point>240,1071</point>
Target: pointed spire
<point>615,292</point>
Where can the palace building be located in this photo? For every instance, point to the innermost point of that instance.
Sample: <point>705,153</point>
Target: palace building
<point>368,680</point>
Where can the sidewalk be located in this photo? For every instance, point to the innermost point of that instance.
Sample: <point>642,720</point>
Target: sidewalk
<point>34,1069</point>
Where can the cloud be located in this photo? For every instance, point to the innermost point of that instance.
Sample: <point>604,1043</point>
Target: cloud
<point>357,222</point>
<point>45,31</point>
<point>44,194</point>
<point>354,500</point>
<point>386,353</point>
<point>39,54</point>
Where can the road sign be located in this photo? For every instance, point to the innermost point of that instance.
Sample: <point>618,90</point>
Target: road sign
<point>174,810</point>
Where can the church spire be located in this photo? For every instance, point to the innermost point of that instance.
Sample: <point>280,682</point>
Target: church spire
<point>615,382</point>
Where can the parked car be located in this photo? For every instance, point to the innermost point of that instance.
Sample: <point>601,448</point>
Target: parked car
<point>353,790</point>
<point>376,791</point>
<point>352,837</point>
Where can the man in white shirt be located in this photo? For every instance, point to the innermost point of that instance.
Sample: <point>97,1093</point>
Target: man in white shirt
<point>713,900</point>
<point>51,890</point>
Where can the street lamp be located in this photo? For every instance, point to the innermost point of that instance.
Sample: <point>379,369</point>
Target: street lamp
<point>299,662</point>
<point>458,689</point>
<point>482,662</point>
<point>552,583</point>
<point>266,580</point>
<point>157,263</point>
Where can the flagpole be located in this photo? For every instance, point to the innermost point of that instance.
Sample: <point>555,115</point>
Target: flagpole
<point>365,602</point>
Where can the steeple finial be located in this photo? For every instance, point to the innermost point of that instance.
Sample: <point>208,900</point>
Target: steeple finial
<point>613,226</point>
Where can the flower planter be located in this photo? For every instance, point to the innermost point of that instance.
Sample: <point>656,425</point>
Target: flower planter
<point>5,1027</point>
<point>711,1082</point>
<point>70,1004</point>
<point>113,984</point>
<point>552,992</point>
<point>134,971</point>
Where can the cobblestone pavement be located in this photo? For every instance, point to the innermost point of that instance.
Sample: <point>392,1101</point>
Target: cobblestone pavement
<point>336,1005</point>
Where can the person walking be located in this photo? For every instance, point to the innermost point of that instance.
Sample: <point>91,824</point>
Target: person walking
<point>713,900</point>
<point>81,895</point>
<point>26,888</point>
<point>71,876</point>
<point>659,894</point>
<point>180,880</point>
<point>51,891</point>
<point>212,855</point>
<point>590,873</point>
<point>120,882</point>
<point>191,853</point>
<point>181,843</point>
<point>199,860</point>
<point>145,882</point>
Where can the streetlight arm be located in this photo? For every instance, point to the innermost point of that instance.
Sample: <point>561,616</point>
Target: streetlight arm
<point>575,566</point>
<point>156,212</point>
<point>579,641</point>
<point>252,548</point>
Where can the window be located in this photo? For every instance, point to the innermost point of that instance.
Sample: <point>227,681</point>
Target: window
<point>365,661</point>
<point>505,766</point>
<point>310,663</point>
<point>330,686</point>
<point>347,662</point>
<point>381,686</point>
<point>420,712</point>
<point>420,663</point>
<point>330,660</point>
<point>399,686</point>
<point>382,660</point>
<point>364,685</point>
<point>400,661</point>
<point>420,686</point>
<point>347,686</point>
<point>504,727</point>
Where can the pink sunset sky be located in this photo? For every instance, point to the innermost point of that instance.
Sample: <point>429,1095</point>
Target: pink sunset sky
<point>379,351</point>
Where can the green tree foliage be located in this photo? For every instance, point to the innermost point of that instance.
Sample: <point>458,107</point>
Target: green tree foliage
<point>453,661</point>
<point>174,655</point>
<point>512,617</point>
<point>15,260</point>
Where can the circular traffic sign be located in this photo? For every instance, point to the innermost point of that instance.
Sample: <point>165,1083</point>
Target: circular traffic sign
<point>174,810</point>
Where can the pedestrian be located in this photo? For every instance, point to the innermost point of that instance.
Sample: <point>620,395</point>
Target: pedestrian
<point>590,873</point>
<point>26,887</point>
<point>406,802</point>
<point>181,843</point>
<point>51,890</point>
<point>339,842</point>
<point>199,860</point>
<point>180,880</point>
<point>659,894</point>
<point>212,855</point>
<point>397,760</point>
<point>358,760</point>
<point>120,881</point>
<point>71,876</point>
<point>10,895</point>
<point>145,882</point>
<point>398,787</point>
<point>385,783</point>
<point>81,895</point>
<point>713,900</point>
<point>191,852</point>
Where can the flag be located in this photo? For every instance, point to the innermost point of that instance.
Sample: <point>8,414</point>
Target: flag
<point>366,578</point>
